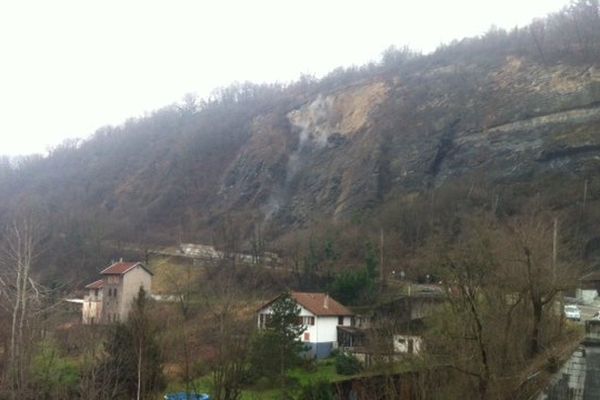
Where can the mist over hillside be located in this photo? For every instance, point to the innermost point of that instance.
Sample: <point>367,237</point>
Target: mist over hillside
<point>507,122</point>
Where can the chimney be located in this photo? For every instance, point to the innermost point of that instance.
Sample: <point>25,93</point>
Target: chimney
<point>121,259</point>
<point>326,301</point>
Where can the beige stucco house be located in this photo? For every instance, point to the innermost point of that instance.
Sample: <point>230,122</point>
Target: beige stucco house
<point>110,298</point>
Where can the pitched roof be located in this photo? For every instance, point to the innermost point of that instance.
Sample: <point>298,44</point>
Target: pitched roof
<point>95,285</point>
<point>320,304</point>
<point>120,268</point>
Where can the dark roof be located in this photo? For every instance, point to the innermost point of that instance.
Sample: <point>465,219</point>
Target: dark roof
<point>95,285</point>
<point>352,330</point>
<point>591,277</point>
<point>120,268</point>
<point>320,304</point>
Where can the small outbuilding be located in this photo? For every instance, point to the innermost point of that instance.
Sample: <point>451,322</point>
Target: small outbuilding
<point>589,287</point>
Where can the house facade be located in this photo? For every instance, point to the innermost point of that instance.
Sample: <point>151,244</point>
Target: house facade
<point>110,299</point>
<point>391,329</point>
<point>321,316</point>
<point>589,287</point>
<point>92,303</point>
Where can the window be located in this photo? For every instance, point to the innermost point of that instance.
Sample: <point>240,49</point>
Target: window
<point>96,292</point>
<point>306,321</point>
<point>115,292</point>
<point>263,319</point>
<point>306,336</point>
<point>340,320</point>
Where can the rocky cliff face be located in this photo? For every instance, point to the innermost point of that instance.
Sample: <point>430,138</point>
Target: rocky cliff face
<point>322,152</point>
<point>354,147</point>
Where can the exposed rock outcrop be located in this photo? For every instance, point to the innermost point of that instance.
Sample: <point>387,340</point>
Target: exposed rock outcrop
<point>350,148</point>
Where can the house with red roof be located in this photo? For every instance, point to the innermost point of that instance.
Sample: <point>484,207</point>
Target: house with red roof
<point>320,314</point>
<point>110,298</point>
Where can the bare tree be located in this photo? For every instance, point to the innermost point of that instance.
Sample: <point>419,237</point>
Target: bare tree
<point>537,29</point>
<point>529,248</point>
<point>20,294</point>
<point>229,335</point>
<point>502,279</point>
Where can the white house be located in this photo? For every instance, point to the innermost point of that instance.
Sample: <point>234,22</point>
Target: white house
<point>110,298</point>
<point>321,315</point>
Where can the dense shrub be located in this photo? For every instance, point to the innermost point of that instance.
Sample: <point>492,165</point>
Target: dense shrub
<point>346,364</point>
<point>320,390</point>
<point>53,375</point>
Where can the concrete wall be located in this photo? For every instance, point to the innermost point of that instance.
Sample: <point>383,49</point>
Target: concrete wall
<point>587,296</point>
<point>320,350</point>
<point>91,312</point>
<point>569,382</point>
<point>130,286</point>
<point>111,304</point>
<point>591,388</point>
<point>326,330</point>
<point>402,344</point>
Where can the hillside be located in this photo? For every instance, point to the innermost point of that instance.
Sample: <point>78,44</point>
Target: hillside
<point>508,111</point>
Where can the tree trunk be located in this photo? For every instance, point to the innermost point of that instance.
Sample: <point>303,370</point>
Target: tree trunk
<point>20,341</point>
<point>139,375</point>
<point>534,346</point>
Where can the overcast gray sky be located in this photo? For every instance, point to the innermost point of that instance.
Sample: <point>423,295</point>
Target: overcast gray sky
<point>69,67</point>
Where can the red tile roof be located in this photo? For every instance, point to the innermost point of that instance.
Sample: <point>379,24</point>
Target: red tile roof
<point>95,285</point>
<point>320,304</point>
<point>120,268</point>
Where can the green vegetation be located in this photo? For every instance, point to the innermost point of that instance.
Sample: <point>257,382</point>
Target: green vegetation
<point>357,287</point>
<point>53,375</point>
<point>320,390</point>
<point>347,364</point>
<point>303,381</point>
<point>277,348</point>
<point>133,363</point>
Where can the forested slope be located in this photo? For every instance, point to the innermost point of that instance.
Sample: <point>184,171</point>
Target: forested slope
<point>513,114</point>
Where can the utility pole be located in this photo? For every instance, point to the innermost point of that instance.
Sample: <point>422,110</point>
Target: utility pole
<point>381,269</point>
<point>585,192</point>
<point>554,262</point>
<point>554,249</point>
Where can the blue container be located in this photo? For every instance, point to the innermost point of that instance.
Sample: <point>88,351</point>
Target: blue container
<point>187,396</point>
